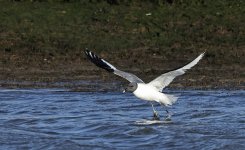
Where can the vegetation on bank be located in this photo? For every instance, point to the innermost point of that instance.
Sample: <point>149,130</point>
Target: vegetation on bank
<point>67,26</point>
<point>59,30</point>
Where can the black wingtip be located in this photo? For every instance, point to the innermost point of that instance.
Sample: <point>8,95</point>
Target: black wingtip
<point>97,60</point>
<point>86,51</point>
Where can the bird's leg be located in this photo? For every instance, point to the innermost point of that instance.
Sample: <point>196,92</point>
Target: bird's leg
<point>155,113</point>
<point>168,118</point>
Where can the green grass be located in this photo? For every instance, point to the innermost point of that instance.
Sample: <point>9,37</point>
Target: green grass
<point>66,28</point>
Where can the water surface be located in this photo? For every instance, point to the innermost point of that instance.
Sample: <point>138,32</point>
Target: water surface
<point>61,119</point>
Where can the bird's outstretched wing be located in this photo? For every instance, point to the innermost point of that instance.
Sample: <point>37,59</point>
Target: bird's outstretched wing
<point>165,79</point>
<point>110,68</point>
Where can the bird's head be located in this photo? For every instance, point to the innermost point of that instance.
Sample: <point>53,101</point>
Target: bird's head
<point>131,87</point>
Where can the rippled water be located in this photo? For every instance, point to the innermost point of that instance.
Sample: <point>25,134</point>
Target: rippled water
<point>60,119</point>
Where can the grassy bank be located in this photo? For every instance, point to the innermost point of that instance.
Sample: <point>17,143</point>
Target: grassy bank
<point>44,41</point>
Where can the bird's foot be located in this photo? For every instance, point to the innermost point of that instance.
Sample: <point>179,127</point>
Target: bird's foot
<point>155,116</point>
<point>168,119</point>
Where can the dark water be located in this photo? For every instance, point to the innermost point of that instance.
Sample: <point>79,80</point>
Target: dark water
<point>59,119</point>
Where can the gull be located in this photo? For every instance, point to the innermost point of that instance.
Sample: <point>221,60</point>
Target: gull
<point>152,91</point>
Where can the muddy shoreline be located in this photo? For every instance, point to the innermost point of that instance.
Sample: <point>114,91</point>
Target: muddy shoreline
<point>75,71</point>
<point>84,76</point>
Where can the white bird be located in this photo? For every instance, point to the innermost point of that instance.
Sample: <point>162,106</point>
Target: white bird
<point>151,91</point>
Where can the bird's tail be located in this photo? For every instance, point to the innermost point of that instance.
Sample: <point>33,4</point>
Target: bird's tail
<point>172,99</point>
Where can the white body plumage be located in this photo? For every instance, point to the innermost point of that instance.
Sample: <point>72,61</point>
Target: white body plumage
<point>150,93</point>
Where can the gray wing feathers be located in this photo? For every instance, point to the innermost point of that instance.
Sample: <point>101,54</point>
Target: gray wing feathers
<point>110,68</point>
<point>128,76</point>
<point>165,79</point>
